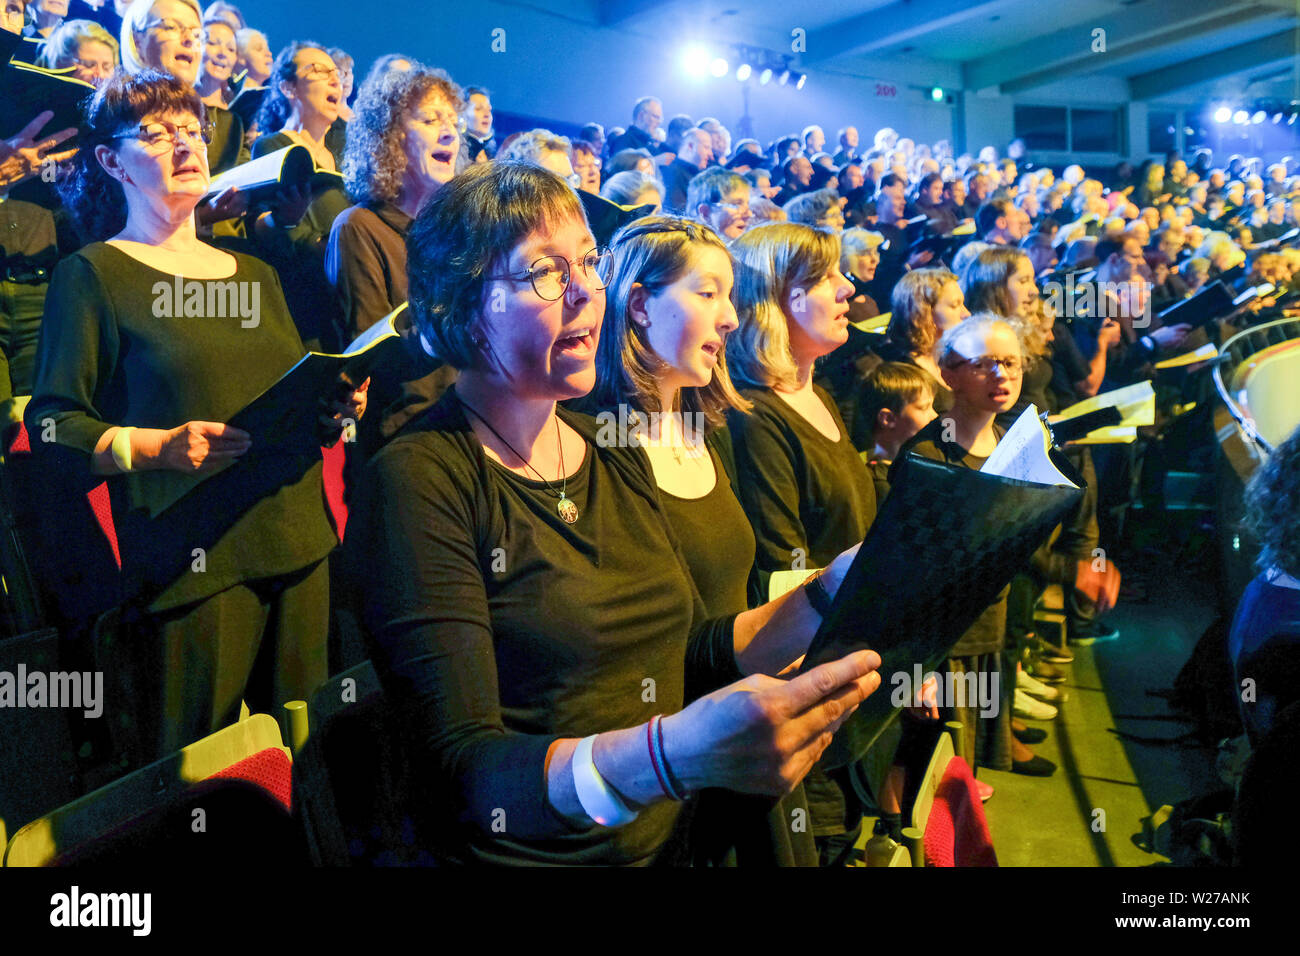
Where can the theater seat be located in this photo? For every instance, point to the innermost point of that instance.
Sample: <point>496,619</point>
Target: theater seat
<point>225,798</point>
<point>352,777</point>
<point>947,824</point>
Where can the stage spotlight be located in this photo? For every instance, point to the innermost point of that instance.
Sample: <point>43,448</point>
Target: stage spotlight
<point>696,61</point>
<point>1258,117</point>
<point>743,72</point>
<point>765,77</point>
<point>936,94</point>
<point>1291,121</point>
<point>784,78</point>
<point>1241,117</point>
<point>1222,114</point>
<point>719,67</point>
<point>803,78</point>
<point>1277,118</point>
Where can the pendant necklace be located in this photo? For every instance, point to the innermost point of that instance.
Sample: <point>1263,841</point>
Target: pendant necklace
<point>565,506</point>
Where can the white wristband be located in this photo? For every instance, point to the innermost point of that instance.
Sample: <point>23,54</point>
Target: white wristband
<point>598,801</point>
<point>121,448</point>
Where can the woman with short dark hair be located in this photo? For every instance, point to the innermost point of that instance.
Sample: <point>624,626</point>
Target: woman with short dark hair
<point>138,377</point>
<point>517,627</point>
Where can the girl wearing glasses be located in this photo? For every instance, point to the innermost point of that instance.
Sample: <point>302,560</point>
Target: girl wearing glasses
<point>981,360</point>
<point>525,595</point>
<point>153,339</point>
<point>662,361</point>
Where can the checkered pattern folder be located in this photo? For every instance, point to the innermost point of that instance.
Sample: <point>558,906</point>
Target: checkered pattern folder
<point>946,542</point>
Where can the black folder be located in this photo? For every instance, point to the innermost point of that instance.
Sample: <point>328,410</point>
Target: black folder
<point>946,542</point>
<point>26,91</point>
<point>1211,302</point>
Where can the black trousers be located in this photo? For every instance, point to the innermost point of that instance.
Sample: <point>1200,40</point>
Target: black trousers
<point>176,677</point>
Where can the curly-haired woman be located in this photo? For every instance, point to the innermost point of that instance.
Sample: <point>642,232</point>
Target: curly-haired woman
<point>403,146</point>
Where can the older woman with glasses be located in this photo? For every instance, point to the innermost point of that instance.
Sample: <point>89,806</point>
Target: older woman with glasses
<point>527,601</point>
<point>84,46</point>
<point>153,340</point>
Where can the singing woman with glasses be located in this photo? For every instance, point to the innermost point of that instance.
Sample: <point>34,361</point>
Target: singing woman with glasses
<point>300,107</point>
<point>153,339</point>
<point>528,606</point>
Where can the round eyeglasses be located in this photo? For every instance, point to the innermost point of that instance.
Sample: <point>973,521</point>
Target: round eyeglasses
<point>550,274</point>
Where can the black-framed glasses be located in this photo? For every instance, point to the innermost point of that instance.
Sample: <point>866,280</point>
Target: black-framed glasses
<point>550,274</point>
<point>153,135</point>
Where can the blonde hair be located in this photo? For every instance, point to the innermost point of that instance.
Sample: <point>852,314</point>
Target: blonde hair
<point>136,21</point>
<point>61,47</point>
<point>856,242</point>
<point>981,323</point>
<point>772,260</point>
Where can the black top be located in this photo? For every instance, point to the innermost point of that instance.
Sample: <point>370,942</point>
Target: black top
<point>498,628</point>
<point>635,138</point>
<point>987,634</point>
<point>808,499</point>
<point>366,263</point>
<point>677,177</point>
<point>716,540</point>
<point>297,253</point>
<point>227,149</point>
<point>115,350</point>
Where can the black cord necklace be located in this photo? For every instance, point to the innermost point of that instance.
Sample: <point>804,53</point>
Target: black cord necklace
<point>565,506</point>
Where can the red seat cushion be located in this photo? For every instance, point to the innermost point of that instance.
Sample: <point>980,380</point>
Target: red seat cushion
<point>271,769</point>
<point>957,833</point>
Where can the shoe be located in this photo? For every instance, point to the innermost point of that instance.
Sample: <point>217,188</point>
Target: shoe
<point>1038,767</point>
<point>1055,654</point>
<point>1095,633</point>
<point>1034,688</point>
<point>1030,735</point>
<point>985,790</point>
<point>1030,709</point>
<point>1047,673</point>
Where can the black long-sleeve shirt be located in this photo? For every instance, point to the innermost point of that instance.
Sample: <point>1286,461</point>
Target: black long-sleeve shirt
<point>116,348</point>
<point>499,628</point>
<point>808,499</point>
